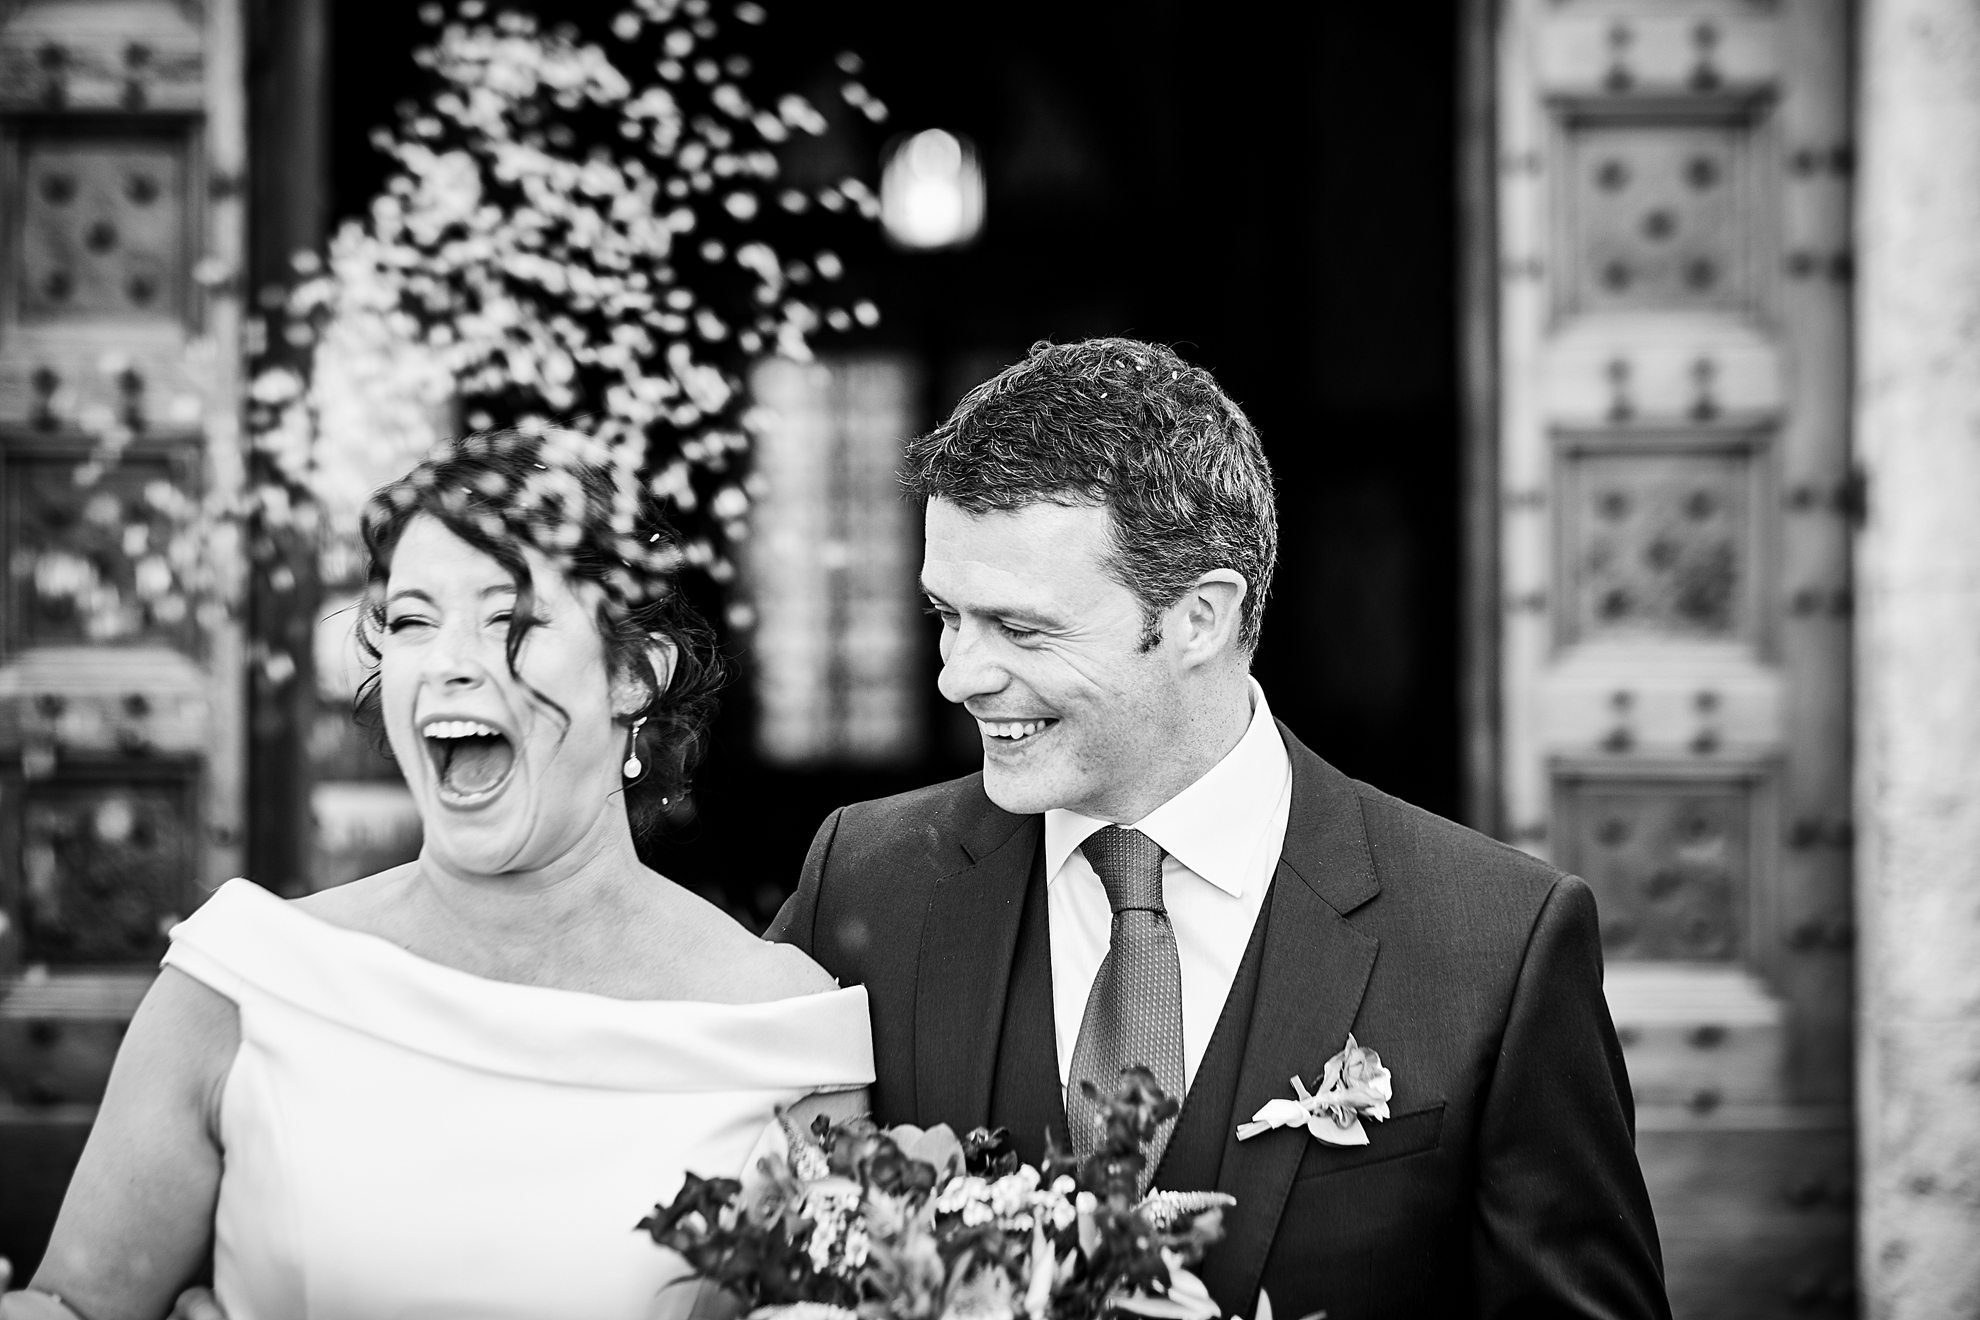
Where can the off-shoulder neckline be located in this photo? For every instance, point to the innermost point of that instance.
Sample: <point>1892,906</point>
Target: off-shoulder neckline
<point>242,887</point>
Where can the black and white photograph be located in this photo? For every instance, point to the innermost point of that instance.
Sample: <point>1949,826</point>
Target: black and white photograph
<point>774,660</point>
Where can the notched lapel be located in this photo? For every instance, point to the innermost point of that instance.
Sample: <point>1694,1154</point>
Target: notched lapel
<point>1325,839</point>
<point>964,969</point>
<point>1311,980</point>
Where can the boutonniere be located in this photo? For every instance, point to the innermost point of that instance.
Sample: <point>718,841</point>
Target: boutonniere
<point>1353,1086</point>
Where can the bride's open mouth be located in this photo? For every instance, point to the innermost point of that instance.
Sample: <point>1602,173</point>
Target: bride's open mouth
<point>472,761</point>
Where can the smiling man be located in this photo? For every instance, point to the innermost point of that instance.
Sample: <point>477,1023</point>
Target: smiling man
<point>1151,870</point>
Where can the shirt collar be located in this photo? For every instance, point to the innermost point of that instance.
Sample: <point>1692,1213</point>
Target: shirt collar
<point>1214,825</point>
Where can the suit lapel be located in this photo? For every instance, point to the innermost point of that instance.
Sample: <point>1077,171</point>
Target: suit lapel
<point>1312,973</point>
<point>965,968</point>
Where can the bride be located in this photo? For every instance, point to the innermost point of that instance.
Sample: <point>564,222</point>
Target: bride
<point>452,1088</point>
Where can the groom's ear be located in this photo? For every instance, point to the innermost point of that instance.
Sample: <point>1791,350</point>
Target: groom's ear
<point>1207,620</point>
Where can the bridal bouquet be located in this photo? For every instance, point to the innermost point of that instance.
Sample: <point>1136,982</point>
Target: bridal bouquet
<point>857,1222</point>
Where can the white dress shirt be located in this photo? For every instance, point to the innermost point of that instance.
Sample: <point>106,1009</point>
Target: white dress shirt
<point>1222,836</point>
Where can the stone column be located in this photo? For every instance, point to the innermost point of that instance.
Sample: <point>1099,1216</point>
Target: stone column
<point>1918,658</point>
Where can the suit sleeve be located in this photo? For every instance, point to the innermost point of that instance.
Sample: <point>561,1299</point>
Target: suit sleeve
<point>1564,1226</point>
<point>797,921</point>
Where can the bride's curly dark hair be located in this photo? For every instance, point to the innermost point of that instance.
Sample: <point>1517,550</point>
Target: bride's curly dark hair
<point>562,494</point>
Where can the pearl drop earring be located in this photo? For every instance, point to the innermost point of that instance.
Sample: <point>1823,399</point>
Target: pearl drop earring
<point>632,766</point>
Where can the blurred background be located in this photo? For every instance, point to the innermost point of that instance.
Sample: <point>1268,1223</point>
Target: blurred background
<point>1547,313</point>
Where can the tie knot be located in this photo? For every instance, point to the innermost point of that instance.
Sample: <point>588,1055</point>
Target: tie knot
<point>1129,864</point>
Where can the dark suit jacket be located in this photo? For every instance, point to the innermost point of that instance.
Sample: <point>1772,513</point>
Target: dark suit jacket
<point>1504,1183</point>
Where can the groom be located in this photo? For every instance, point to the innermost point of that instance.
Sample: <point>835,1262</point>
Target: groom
<point>1150,869</point>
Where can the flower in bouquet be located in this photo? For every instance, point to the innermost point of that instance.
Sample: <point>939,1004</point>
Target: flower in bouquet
<point>913,1224</point>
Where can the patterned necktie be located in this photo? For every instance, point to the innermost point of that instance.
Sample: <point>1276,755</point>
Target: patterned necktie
<point>1134,1013</point>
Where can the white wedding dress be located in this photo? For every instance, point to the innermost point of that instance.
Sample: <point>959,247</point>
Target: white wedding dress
<point>402,1139</point>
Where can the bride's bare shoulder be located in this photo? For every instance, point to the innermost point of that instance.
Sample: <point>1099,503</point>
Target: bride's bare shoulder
<point>744,969</point>
<point>788,972</point>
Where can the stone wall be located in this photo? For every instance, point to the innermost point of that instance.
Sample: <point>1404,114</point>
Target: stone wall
<point>1918,654</point>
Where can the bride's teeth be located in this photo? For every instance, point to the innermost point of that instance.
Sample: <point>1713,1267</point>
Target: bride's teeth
<point>459,729</point>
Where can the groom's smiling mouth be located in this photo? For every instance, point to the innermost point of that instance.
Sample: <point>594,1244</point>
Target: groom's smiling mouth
<point>1013,731</point>
<point>472,761</point>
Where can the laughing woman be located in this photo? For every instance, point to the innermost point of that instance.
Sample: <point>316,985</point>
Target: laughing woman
<point>452,1088</point>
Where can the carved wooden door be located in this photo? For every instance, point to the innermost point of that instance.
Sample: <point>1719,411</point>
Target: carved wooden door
<point>121,158</point>
<point>1672,302</point>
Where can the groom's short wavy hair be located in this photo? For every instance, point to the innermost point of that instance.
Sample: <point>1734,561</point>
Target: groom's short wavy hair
<point>1128,427</point>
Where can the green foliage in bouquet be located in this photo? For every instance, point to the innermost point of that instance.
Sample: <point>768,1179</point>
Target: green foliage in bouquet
<point>907,1224</point>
